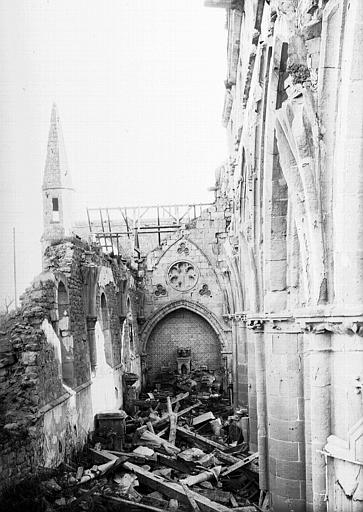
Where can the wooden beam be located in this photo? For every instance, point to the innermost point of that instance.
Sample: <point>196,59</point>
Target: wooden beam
<point>178,464</point>
<point>164,419</point>
<point>158,441</point>
<point>173,490</point>
<point>240,464</point>
<point>190,497</point>
<point>132,505</point>
<point>197,438</point>
<point>179,397</point>
<point>226,457</point>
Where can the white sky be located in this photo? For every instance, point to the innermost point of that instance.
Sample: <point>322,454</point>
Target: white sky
<point>139,89</point>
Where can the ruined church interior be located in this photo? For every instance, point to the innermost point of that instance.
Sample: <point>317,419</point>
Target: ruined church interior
<point>207,357</point>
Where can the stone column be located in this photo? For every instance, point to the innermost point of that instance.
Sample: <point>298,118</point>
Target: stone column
<point>235,361</point>
<point>241,361</point>
<point>91,323</point>
<point>285,408</point>
<point>257,333</point>
<point>320,390</point>
<point>252,400</point>
<point>90,274</point>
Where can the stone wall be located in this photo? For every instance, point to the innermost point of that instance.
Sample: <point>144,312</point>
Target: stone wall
<point>62,357</point>
<point>182,329</point>
<point>293,180</point>
<point>184,280</point>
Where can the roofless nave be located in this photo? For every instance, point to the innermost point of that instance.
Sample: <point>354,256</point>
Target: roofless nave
<point>262,288</point>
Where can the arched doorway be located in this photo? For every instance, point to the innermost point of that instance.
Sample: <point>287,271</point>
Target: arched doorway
<point>184,329</point>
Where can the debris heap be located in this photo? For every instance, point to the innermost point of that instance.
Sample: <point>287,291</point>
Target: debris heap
<point>178,452</point>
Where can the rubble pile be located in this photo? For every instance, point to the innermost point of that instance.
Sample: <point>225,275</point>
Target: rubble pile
<point>179,452</point>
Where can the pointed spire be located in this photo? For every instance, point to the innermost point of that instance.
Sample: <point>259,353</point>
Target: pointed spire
<point>57,186</point>
<point>56,172</point>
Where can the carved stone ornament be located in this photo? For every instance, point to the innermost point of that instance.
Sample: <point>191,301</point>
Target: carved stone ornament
<point>182,276</point>
<point>205,291</point>
<point>160,290</point>
<point>183,249</point>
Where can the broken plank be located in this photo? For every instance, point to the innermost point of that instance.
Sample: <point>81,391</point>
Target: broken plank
<point>190,497</point>
<point>193,437</point>
<point>240,464</point>
<point>173,490</point>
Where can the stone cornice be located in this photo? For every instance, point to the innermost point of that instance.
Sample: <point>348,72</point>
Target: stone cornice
<point>348,320</point>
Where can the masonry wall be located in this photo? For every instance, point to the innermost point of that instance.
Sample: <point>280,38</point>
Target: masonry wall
<point>61,361</point>
<point>294,120</point>
<point>182,329</point>
<point>185,287</point>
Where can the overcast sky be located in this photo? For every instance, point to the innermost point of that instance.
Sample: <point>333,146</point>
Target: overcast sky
<point>139,89</point>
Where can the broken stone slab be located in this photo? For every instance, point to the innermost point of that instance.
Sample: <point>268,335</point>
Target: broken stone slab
<point>144,451</point>
<point>191,454</point>
<point>207,460</point>
<point>125,481</point>
<point>165,472</point>
<point>202,418</point>
<point>173,505</point>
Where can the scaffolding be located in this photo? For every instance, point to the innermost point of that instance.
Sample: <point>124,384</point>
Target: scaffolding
<point>139,228</point>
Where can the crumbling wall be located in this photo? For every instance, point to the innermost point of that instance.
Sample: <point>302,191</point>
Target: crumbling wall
<point>47,407</point>
<point>29,380</point>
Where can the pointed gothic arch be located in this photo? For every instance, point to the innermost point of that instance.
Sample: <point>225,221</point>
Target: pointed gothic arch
<point>195,307</point>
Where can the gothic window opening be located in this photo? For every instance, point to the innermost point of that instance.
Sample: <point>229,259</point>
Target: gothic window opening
<point>66,339</point>
<point>129,325</point>
<point>105,325</point>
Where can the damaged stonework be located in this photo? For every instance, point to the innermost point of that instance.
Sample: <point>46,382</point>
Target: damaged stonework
<point>49,390</point>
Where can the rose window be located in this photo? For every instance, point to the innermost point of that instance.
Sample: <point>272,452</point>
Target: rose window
<point>182,275</point>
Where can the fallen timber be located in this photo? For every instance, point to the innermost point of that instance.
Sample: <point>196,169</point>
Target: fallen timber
<point>173,490</point>
<point>197,438</point>
<point>240,464</point>
<point>183,470</point>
